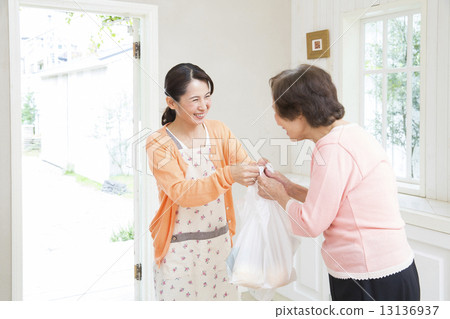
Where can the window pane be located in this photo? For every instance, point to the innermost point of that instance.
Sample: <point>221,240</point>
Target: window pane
<point>373,108</point>
<point>415,115</point>
<point>397,42</point>
<point>416,40</point>
<point>396,122</point>
<point>373,56</point>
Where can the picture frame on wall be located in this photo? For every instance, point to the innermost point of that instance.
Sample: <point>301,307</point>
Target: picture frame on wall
<point>318,44</point>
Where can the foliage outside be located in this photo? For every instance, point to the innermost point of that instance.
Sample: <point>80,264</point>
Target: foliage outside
<point>105,23</point>
<point>124,234</point>
<point>396,99</point>
<point>29,109</point>
<point>84,181</point>
<point>127,180</point>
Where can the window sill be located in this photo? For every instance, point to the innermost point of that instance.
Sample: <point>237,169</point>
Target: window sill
<point>408,188</point>
<point>425,213</point>
<point>416,211</point>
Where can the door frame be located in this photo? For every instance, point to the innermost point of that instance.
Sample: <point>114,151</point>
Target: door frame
<point>146,115</point>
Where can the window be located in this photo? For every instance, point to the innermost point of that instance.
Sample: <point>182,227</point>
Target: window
<point>390,95</point>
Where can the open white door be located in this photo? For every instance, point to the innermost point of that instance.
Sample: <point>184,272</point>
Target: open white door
<point>146,119</point>
<point>146,115</point>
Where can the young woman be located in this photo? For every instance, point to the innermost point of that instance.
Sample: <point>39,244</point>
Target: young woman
<point>195,161</point>
<point>352,197</point>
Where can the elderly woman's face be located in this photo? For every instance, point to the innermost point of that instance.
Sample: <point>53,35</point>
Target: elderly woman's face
<point>296,130</point>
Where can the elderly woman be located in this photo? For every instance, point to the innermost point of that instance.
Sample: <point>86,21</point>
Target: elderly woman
<point>352,197</point>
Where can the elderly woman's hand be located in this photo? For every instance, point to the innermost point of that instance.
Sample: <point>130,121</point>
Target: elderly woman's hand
<point>262,161</point>
<point>275,174</point>
<point>269,188</point>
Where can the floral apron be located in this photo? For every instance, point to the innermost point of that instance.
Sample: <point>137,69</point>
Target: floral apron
<point>196,269</point>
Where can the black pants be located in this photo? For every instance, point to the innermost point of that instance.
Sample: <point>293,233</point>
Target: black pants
<point>402,286</point>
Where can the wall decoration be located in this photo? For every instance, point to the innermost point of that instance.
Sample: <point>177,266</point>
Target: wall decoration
<point>317,44</point>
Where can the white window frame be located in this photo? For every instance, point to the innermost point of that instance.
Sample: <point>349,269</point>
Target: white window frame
<point>405,185</point>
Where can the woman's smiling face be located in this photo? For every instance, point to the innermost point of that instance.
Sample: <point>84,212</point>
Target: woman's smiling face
<point>193,105</point>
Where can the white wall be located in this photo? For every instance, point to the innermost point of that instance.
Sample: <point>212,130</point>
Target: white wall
<point>51,99</point>
<point>74,107</point>
<point>437,100</point>
<point>10,148</point>
<point>5,160</point>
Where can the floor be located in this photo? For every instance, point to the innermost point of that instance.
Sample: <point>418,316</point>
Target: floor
<point>68,254</point>
<point>247,296</point>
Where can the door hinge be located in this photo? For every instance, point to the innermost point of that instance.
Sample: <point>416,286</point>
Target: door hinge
<point>138,271</point>
<point>137,50</point>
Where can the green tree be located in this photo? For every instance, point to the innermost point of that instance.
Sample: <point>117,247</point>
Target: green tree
<point>105,28</point>
<point>29,109</point>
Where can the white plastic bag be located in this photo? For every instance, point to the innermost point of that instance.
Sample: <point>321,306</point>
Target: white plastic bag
<point>262,257</point>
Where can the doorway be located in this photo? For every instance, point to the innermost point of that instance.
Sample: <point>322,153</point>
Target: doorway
<point>83,115</point>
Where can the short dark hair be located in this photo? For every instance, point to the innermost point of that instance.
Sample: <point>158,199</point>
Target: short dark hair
<point>306,90</point>
<point>176,82</point>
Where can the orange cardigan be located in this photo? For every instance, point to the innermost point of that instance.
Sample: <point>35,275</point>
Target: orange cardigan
<point>169,169</point>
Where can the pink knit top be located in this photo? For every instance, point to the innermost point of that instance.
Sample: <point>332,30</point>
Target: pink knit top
<point>353,200</point>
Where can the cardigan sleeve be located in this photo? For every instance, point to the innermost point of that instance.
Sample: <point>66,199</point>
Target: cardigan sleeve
<point>163,162</point>
<point>330,174</point>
